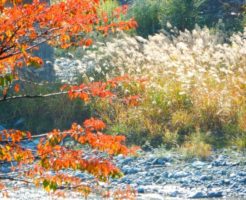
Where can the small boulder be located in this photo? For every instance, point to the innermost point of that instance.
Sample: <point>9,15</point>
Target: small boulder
<point>206,178</point>
<point>198,164</point>
<point>198,195</point>
<point>174,193</point>
<point>215,194</point>
<point>140,190</point>
<point>180,174</point>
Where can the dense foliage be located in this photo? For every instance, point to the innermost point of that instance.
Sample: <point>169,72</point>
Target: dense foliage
<point>195,88</point>
<point>24,27</point>
<point>228,16</point>
<point>187,86</point>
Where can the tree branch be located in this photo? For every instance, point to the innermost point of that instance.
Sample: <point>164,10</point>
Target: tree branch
<point>32,96</point>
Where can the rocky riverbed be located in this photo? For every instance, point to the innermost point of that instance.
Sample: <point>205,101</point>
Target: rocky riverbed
<point>159,174</point>
<point>168,174</point>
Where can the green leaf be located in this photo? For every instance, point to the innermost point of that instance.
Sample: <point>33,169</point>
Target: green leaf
<point>53,185</point>
<point>46,183</point>
<point>9,78</point>
<point>6,80</point>
<point>1,81</point>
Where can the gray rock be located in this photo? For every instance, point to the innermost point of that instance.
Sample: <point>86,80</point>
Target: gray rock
<point>152,196</point>
<point>142,173</point>
<point>152,181</point>
<point>243,181</point>
<point>126,180</point>
<point>119,157</point>
<point>198,164</point>
<point>226,181</point>
<point>198,195</point>
<point>222,157</point>
<point>198,173</point>
<point>234,163</point>
<point>126,161</point>
<point>215,194</point>
<point>148,181</point>
<point>206,178</point>
<point>180,174</point>
<point>218,183</point>
<point>70,56</point>
<point>159,161</point>
<point>150,173</point>
<point>174,193</point>
<point>233,175</point>
<point>140,190</point>
<point>185,182</point>
<point>221,172</point>
<point>234,185</point>
<point>130,170</point>
<point>242,173</point>
<point>219,162</point>
<point>161,180</point>
<point>165,174</point>
<point>140,182</point>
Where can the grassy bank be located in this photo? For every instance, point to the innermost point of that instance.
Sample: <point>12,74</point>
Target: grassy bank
<point>193,97</point>
<point>196,87</point>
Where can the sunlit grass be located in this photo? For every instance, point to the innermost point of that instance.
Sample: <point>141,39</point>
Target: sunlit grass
<point>194,81</point>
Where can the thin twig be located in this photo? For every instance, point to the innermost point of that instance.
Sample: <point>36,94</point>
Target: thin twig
<point>28,96</point>
<point>33,96</point>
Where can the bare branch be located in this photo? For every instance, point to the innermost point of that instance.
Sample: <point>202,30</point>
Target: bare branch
<point>32,96</point>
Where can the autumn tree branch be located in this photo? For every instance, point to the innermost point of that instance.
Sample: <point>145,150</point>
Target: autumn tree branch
<point>27,96</point>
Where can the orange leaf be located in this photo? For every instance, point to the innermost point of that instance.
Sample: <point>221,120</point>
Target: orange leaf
<point>17,88</point>
<point>88,42</point>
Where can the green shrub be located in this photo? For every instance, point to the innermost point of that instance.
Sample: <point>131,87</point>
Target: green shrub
<point>108,7</point>
<point>170,139</point>
<point>182,14</point>
<point>147,14</point>
<point>240,141</point>
<point>196,147</point>
<point>40,115</point>
<point>153,15</point>
<point>229,13</point>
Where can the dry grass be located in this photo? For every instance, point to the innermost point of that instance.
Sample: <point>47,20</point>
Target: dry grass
<point>195,81</point>
<point>196,145</point>
<point>200,150</point>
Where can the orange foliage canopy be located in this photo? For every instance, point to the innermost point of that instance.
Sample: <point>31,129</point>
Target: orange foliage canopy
<point>23,27</point>
<point>52,155</point>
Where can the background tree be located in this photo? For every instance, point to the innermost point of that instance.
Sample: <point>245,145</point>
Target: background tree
<point>182,14</point>
<point>185,14</point>
<point>147,13</point>
<point>230,13</point>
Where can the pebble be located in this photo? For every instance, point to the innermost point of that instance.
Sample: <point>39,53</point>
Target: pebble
<point>180,174</point>
<point>215,194</point>
<point>153,179</point>
<point>198,164</point>
<point>198,195</point>
<point>206,177</point>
